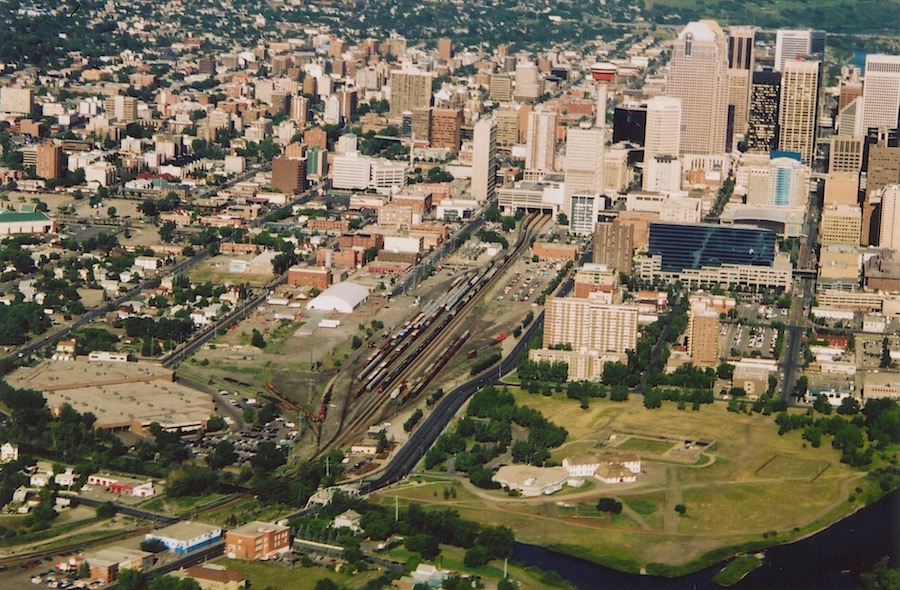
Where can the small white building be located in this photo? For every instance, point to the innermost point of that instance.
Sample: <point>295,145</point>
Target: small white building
<point>532,481</point>
<point>621,468</point>
<point>9,452</point>
<point>348,519</point>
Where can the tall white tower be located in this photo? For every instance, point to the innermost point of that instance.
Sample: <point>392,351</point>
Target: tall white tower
<point>881,92</point>
<point>484,160</point>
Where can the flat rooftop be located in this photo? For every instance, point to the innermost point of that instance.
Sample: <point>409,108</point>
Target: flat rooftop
<point>123,396</point>
<point>185,531</point>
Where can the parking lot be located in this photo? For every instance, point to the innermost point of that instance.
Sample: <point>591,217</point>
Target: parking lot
<point>746,340</point>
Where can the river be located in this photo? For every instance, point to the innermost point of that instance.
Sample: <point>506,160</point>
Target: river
<point>831,559</point>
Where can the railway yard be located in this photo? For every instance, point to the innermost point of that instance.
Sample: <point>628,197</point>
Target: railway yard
<point>443,324</point>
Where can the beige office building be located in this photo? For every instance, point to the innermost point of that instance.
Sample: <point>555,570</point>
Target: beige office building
<point>698,76</point>
<point>840,225</point>
<point>845,155</point>
<point>798,108</point>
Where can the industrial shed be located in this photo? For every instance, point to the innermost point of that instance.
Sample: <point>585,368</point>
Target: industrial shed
<point>342,297</point>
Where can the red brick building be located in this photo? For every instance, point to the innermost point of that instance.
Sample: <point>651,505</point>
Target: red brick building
<point>307,276</point>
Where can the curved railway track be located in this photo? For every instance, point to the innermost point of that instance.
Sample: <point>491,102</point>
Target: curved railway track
<point>407,371</point>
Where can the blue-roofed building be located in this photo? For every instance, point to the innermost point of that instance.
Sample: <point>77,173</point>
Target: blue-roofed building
<point>696,245</point>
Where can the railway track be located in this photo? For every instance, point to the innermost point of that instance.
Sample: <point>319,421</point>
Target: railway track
<point>406,363</point>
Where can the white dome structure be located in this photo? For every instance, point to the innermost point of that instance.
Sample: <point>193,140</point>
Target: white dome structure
<point>342,297</point>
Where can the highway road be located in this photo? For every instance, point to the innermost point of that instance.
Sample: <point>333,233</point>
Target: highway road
<point>405,459</point>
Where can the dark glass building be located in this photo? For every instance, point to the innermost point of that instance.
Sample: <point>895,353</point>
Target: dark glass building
<point>765,94</point>
<point>630,124</point>
<point>695,245</point>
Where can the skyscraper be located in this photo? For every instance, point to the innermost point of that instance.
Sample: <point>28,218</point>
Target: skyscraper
<point>703,336</point>
<point>662,139</point>
<point>484,160</point>
<point>540,154</point>
<point>288,174</point>
<point>881,91</point>
<point>765,98</point>
<point>741,62</point>
<point>409,90</point>
<point>798,108</point>
<point>589,325</point>
<point>583,176</point>
<point>698,76</point>
<point>791,44</point>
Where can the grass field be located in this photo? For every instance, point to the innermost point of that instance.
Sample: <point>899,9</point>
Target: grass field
<point>644,445</point>
<point>754,482</point>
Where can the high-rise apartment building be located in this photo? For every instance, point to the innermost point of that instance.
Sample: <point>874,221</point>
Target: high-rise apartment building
<point>791,44</point>
<point>589,325</point>
<point>409,90</point>
<point>289,175</point>
<point>881,91</point>
<point>445,128</point>
<point>445,48</point>
<point>484,160</point>
<point>741,63</point>
<point>122,108</point>
<point>49,161</point>
<point>614,246</point>
<point>528,81</point>
<point>540,143</point>
<point>765,99</point>
<point>421,124</point>
<point>703,336</point>
<point>500,88</point>
<point>889,236</point>
<point>798,109</point>
<point>507,127</point>
<point>698,76</point>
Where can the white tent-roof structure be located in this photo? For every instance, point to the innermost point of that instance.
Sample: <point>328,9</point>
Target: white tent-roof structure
<point>342,297</point>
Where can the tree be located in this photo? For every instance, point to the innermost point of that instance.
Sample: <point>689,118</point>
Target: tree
<point>725,371</point>
<point>885,354</point>
<point>111,212</point>
<point>84,570</point>
<point>356,342</point>
<point>173,583</point>
<point>222,455</point>
<point>130,579</point>
<point>106,510</point>
<point>326,584</point>
<point>477,556</point>
<point>562,219</point>
<point>609,505</point>
<point>167,231</point>
<point>257,339</point>
<point>680,509</point>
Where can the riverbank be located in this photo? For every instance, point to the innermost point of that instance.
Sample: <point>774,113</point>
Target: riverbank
<point>832,558</point>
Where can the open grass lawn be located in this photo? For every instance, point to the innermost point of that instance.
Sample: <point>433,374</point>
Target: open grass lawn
<point>756,482</point>
<point>645,445</point>
<point>279,577</point>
